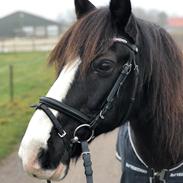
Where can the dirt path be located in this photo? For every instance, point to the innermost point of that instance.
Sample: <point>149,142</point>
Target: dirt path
<point>106,167</point>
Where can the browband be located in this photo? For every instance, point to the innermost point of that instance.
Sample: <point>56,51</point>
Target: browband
<point>133,47</point>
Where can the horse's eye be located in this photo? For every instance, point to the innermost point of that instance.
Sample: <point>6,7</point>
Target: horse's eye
<point>103,66</point>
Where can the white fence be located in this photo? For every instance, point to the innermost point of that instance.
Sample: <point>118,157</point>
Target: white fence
<point>27,44</point>
<point>21,45</point>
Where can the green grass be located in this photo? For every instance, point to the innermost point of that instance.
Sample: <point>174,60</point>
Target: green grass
<point>32,79</point>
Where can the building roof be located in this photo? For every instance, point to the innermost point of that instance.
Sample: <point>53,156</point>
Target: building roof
<point>175,22</point>
<point>15,21</point>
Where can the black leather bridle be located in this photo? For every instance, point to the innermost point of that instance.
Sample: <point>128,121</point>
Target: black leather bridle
<point>86,122</point>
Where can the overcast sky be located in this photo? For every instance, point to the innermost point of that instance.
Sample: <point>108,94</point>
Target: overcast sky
<point>52,8</point>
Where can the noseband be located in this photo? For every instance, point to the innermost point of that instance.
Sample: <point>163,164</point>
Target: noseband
<point>86,122</point>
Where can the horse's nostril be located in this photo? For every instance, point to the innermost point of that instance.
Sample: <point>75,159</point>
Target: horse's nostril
<point>34,175</point>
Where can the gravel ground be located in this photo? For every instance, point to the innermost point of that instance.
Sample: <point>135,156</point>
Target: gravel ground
<point>106,168</point>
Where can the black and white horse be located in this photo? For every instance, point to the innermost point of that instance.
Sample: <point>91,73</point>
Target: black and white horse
<point>89,59</point>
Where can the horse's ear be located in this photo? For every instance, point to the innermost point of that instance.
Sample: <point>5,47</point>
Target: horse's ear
<point>83,7</point>
<point>120,12</point>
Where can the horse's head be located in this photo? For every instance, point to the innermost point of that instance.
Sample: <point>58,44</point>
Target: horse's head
<point>95,62</point>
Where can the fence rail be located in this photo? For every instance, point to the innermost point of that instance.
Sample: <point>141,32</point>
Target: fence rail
<point>17,44</point>
<point>28,44</point>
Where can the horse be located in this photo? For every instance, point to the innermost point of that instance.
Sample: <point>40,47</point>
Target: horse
<point>113,69</point>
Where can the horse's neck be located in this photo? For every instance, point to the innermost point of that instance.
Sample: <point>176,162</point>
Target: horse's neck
<point>152,149</point>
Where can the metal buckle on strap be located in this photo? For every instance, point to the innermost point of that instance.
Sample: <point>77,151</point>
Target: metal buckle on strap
<point>63,134</point>
<point>127,68</point>
<point>102,115</point>
<point>158,175</point>
<point>161,175</point>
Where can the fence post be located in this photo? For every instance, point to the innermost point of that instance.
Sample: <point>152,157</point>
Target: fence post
<point>33,44</point>
<point>11,84</point>
<point>14,49</point>
<point>2,46</point>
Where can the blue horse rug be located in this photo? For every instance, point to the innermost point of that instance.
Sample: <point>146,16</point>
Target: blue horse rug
<point>134,169</point>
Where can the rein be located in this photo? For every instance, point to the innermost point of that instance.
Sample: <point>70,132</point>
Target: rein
<point>85,122</point>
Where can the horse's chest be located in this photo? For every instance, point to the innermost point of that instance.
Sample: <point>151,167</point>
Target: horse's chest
<point>135,169</point>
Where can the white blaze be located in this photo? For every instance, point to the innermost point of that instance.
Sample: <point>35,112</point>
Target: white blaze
<point>39,128</point>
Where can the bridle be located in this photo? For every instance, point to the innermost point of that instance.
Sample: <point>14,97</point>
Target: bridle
<point>86,122</point>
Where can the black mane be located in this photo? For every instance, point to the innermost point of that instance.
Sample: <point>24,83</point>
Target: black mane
<point>161,96</point>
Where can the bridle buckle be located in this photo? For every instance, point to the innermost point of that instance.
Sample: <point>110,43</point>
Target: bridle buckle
<point>127,68</point>
<point>102,115</point>
<point>63,134</point>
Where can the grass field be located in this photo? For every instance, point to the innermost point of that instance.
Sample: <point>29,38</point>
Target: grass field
<point>32,79</point>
